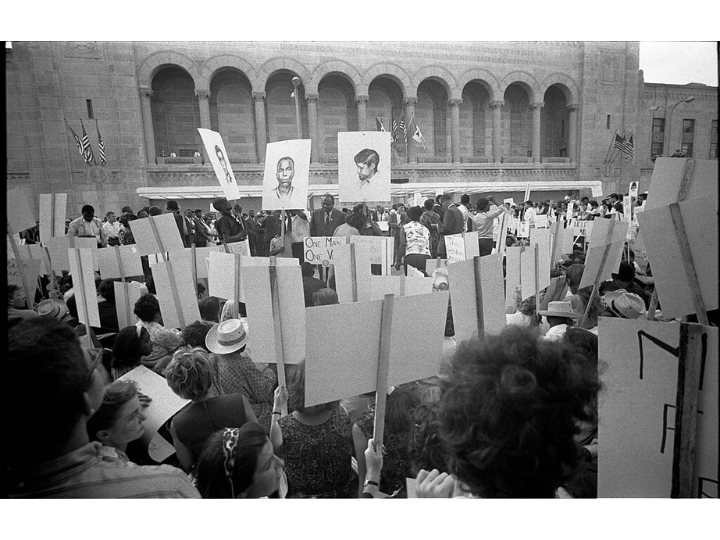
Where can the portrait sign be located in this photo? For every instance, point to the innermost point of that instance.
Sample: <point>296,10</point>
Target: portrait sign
<point>364,166</point>
<point>216,152</point>
<point>287,173</point>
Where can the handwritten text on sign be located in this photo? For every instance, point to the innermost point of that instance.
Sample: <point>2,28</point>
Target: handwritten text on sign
<point>319,249</point>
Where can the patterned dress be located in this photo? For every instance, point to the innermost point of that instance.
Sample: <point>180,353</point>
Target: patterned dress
<point>237,374</point>
<point>318,458</point>
<point>396,463</point>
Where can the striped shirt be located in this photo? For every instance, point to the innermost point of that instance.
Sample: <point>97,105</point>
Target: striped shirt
<point>89,473</point>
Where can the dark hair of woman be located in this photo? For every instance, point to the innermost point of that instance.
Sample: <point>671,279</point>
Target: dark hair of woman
<point>296,393</point>
<point>425,448</point>
<point>508,413</point>
<point>147,307</point>
<point>126,348</point>
<point>213,481</point>
<point>414,213</point>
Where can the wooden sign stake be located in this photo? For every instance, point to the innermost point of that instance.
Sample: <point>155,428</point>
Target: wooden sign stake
<point>163,254</point>
<point>686,255</point>
<point>686,413</point>
<point>80,284</point>
<point>124,282</point>
<point>29,295</point>
<point>383,369</point>
<point>479,300</point>
<point>353,273</point>
<point>176,295</point>
<point>279,351</point>
<point>193,257</point>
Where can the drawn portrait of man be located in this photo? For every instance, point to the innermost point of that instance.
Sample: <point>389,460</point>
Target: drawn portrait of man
<point>364,167</point>
<point>285,175</point>
<point>366,161</point>
<point>223,163</point>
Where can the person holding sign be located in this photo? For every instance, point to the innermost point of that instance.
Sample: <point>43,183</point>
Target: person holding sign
<point>484,222</point>
<point>315,442</point>
<point>229,229</point>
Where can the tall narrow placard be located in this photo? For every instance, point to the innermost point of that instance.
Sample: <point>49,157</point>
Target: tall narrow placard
<point>176,293</point>
<point>112,258</point>
<point>352,272</point>
<point>157,234</point>
<point>126,294</point>
<point>220,160</point>
<point>81,270</point>
<point>53,207</point>
<point>512,274</point>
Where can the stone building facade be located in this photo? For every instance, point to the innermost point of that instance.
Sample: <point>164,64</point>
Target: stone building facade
<point>495,116</point>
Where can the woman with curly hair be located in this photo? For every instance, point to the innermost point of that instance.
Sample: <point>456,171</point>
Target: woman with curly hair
<point>191,375</point>
<point>509,415</point>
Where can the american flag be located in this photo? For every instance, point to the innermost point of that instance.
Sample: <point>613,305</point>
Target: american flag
<point>628,148</point>
<point>101,145</point>
<point>77,139</point>
<point>378,122</point>
<point>402,128</point>
<point>618,142</point>
<point>394,131</point>
<point>87,149</point>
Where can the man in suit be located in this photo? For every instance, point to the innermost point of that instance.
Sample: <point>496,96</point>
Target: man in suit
<point>326,219</point>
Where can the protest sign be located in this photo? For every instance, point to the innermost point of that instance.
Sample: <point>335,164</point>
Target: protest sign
<point>53,207</point>
<point>461,247</point>
<point>176,292</point>
<point>399,286</point>
<point>126,294</point>
<point>523,229</point>
<point>680,179</point>
<point>81,270</point>
<point>541,237</point>
<point>512,274</point>
<point>478,303</point>
<point>364,159</point>
<point>220,160</point>
<point>287,170</point>
<point>31,269</point>
<point>282,323</point>
<point>113,259</point>
<point>665,252</point>
<point>541,221</point>
<point>638,406</point>
<point>200,255</point>
<point>320,249</point>
<point>20,214</point>
<point>352,272</point>
<point>157,234</point>
<point>605,251</point>
<point>381,250</point>
<point>165,403</point>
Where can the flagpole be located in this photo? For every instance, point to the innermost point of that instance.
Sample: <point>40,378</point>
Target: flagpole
<point>612,141</point>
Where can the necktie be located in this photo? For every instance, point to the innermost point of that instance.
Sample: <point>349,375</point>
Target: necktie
<point>327,219</point>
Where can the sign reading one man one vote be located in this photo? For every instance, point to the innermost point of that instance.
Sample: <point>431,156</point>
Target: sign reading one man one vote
<point>461,247</point>
<point>320,249</point>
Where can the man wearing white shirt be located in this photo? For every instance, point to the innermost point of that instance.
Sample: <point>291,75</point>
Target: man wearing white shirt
<point>299,231</point>
<point>464,207</point>
<point>112,228</point>
<point>530,214</point>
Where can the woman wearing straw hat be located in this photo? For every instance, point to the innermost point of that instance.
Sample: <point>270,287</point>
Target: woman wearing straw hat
<point>236,371</point>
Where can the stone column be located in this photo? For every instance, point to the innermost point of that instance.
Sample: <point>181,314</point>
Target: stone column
<point>410,126</point>
<point>362,112</point>
<point>260,128</point>
<point>496,107</point>
<point>536,109</point>
<point>203,97</point>
<point>572,131</point>
<point>146,95</point>
<point>313,127</point>
<point>455,129</point>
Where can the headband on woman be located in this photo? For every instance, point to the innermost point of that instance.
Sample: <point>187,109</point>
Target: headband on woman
<point>230,440</point>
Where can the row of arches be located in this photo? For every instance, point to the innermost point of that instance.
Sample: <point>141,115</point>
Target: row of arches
<point>475,127</point>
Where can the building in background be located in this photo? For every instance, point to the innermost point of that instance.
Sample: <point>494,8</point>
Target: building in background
<point>494,116</point>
